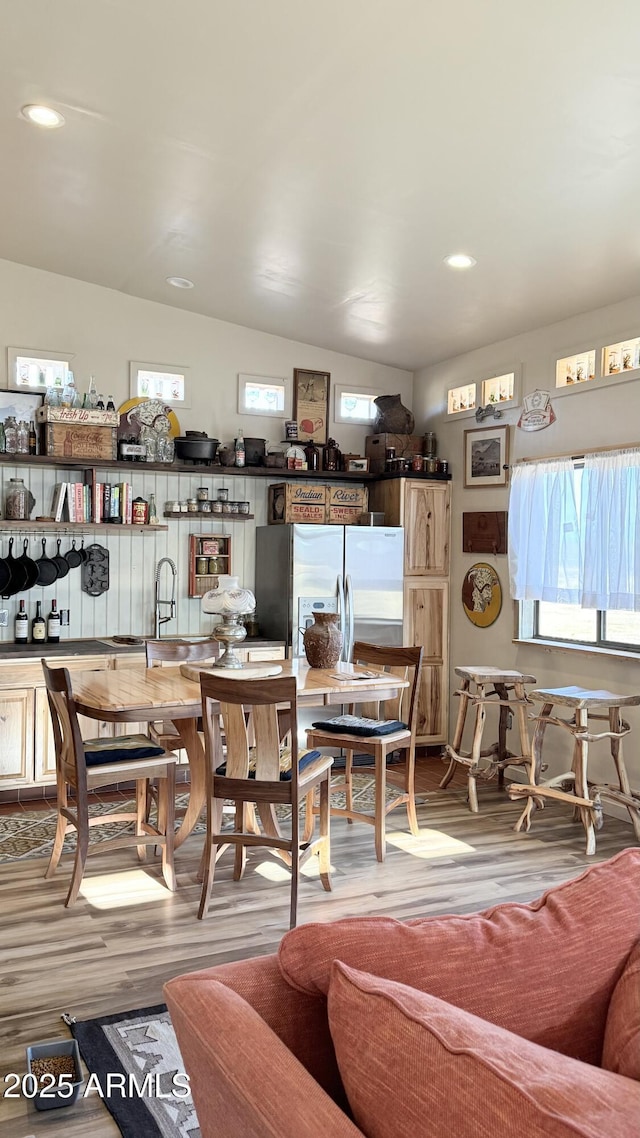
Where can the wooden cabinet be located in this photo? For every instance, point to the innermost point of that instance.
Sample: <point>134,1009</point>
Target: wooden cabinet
<point>422,507</point>
<point>209,556</point>
<point>16,734</point>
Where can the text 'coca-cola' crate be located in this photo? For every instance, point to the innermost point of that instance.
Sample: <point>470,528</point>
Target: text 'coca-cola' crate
<point>297,502</point>
<point>62,440</point>
<point>345,504</point>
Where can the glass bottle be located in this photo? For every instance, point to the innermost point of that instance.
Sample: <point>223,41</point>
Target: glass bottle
<point>22,625</point>
<point>110,404</point>
<point>69,393</point>
<point>239,448</point>
<point>53,624</point>
<point>39,625</point>
<point>92,394</point>
<point>33,438</point>
<point>312,455</point>
<point>152,519</point>
<point>23,437</point>
<point>11,434</point>
<point>100,403</point>
<point>2,440</point>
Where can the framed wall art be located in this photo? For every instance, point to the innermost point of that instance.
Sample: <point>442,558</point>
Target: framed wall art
<point>486,454</point>
<point>311,403</point>
<point>482,595</point>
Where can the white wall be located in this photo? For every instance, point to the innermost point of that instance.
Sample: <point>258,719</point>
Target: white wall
<point>106,329</point>
<point>588,416</point>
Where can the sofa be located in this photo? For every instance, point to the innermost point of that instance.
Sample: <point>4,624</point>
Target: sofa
<point>522,1019</point>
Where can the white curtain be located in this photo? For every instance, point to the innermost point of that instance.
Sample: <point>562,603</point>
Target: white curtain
<point>544,533</point>
<point>610,529</point>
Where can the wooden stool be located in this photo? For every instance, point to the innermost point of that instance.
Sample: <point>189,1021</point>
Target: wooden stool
<point>502,681</point>
<point>573,786</point>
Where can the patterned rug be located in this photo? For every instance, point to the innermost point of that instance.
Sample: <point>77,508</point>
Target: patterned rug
<point>29,833</point>
<point>134,1063</point>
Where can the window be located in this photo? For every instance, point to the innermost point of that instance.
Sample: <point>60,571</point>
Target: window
<point>500,389</point>
<point>461,399</point>
<point>624,356</point>
<point>264,395</point>
<point>574,549</point>
<point>30,368</point>
<point>579,368</point>
<point>355,404</point>
<point>159,381</point>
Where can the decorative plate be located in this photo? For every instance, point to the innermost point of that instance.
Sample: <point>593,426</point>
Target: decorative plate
<point>482,594</point>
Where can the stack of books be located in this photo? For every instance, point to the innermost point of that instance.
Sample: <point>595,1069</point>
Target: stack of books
<point>99,502</point>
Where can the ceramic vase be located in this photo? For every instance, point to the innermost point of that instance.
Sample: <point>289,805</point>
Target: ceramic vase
<point>323,641</point>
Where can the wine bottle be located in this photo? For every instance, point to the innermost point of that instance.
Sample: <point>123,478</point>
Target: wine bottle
<point>39,625</point>
<point>33,438</point>
<point>53,624</point>
<point>22,625</point>
<point>239,448</point>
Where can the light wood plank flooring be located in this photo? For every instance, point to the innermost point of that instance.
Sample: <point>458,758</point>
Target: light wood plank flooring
<point>126,935</point>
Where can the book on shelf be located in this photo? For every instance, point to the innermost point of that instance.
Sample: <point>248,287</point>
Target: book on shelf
<point>59,496</point>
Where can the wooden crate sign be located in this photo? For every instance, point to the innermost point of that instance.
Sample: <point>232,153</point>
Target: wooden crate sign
<point>297,502</point>
<point>81,416</point>
<point>345,504</point>
<point>61,440</point>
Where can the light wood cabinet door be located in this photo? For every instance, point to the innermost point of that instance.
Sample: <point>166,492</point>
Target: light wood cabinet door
<point>426,622</point>
<point>426,528</point>
<point>16,736</point>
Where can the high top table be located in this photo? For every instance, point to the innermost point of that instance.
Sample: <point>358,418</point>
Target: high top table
<point>134,695</point>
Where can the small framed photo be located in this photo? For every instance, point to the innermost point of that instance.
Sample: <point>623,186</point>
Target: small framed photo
<point>486,454</point>
<point>20,404</point>
<point>358,465</point>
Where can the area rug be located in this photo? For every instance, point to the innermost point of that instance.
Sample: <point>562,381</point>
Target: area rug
<point>135,1066</point>
<point>29,833</point>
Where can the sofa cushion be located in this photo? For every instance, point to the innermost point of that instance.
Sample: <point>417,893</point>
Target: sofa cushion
<point>427,1069</point>
<point>245,1081</point>
<point>545,970</point>
<point>621,1050</point>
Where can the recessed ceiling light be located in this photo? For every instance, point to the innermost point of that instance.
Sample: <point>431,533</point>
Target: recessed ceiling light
<point>42,116</point>
<point>460,261</point>
<point>179,282</point>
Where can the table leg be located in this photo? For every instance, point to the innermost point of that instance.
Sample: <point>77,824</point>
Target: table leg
<point>615,726</point>
<point>189,739</point>
<point>581,786</point>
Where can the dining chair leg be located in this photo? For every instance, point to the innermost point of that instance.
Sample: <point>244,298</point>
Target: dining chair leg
<point>295,865</point>
<point>82,848</point>
<point>309,816</point>
<point>381,802</point>
<point>142,790</point>
<point>240,858</point>
<point>410,790</point>
<point>61,828</point>
<point>324,850</point>
<point>208,870</point>
<point>348,783</point>
<point>167,811</point>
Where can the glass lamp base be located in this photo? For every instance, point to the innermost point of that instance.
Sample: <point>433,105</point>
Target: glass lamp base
<point>230,634</point>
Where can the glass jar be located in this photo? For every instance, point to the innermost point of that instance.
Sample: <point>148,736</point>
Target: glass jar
<point>205,506</point>
<point>223,494</point>
<point>10,435</point>
<point>19,501</point>
<point>216,507</point>
<point>430,445</point>
<point>202,566</point>
<point>192,505</point>
<point>417,462</point>
<point>202,494</point>
<point>243,507</point>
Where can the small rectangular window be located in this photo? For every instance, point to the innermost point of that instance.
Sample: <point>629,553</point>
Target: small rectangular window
<point>579,368</point>
<point>621,357</point>
<point>461,399</point>
<point>500,389</point>
<point>355,404</point>
<point>159,381</point>
<point>264,395</point>
<point>30,368</point>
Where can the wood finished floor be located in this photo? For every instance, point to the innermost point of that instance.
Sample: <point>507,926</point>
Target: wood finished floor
<point>126,935</point>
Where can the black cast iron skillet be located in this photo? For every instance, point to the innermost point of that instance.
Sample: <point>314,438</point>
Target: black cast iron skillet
<point>84,556</point>
<point>73,557</point>
<point>61,562</point>
<point>47,568</point>
<point>29,565</point>
<point>18,580</point>
<point>5,574</point>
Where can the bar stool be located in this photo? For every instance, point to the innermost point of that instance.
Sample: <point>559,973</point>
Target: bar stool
<point>502,681</point>
<point>573,786</point>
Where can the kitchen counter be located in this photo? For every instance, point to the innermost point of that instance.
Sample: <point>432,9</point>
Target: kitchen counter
<point>11,651</point>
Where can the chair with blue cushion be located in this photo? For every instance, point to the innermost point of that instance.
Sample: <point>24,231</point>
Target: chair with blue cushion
<point>387,727</point>
<point>244,722</point>
<point>84,765</point>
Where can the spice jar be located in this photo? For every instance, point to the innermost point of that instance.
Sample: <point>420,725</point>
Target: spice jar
<point>390,458</point>
<point>192,505</point>
<point>216,507</point>
<point>223,494</point>
<point>417,462</point>
<point>202,493</point>
<point>139,511</point>
<point>202,566</point>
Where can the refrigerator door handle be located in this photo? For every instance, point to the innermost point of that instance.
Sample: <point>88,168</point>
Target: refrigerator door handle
<point>350,618</point>
<point>342,609</point>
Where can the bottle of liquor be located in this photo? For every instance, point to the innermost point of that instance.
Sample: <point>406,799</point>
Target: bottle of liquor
<point>22,625</point>
<point>110,404</point>
<point>100,403</point>
<point>239,448</point>
<point>53,624</point>
<point>33,438</point>
<point>39,625</point>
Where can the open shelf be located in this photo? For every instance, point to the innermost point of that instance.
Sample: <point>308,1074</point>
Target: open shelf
<point>189,515</point>
<point>25,524</point>
<point>212,471</point>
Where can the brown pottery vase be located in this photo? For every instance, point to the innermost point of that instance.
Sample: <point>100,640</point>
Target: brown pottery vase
<point>323,641</point>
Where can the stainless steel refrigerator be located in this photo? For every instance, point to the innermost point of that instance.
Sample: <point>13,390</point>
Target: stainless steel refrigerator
<point>356,571</point>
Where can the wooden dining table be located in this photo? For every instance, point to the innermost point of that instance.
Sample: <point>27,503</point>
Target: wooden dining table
<point>139,694</point>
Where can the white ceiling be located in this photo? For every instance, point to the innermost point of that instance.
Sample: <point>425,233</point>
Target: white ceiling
<point>309,164</point>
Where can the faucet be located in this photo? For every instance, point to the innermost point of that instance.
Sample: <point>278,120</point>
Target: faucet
<point>159,604</point>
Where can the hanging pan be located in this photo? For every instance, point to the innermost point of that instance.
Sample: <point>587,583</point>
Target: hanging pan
<point>29,564</point>
<point>5,574</point>
<point>47,568</point>
<point>73,557</point>
<point>84,556</point>
<point>61,562</point>
<point>18,579</point>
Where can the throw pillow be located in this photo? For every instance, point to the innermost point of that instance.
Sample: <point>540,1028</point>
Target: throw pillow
<point>621,1050</point>
<point>545,970</point>
<point>414,1066</point>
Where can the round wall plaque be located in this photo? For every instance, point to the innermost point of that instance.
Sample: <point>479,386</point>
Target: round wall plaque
<point>482,594</point>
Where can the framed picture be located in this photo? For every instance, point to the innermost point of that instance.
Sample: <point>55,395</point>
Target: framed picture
<point>486,454</point>
<point>20,404</point>
<point>358,464</point>
<point>311,403</point>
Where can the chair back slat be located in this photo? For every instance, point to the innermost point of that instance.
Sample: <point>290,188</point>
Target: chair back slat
<point>67,737</point>
<point>403,662</point>
<point>255,715</point>
<point>235,729</point>
<point>267,747</point>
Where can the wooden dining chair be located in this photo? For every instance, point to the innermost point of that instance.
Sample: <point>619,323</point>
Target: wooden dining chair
<point>89,764</point>
<point>403,662</point>
<point>159,652</point>
<point>251,771</point>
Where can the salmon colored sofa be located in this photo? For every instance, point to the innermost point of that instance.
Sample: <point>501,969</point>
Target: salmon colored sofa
<point>523,1019</point>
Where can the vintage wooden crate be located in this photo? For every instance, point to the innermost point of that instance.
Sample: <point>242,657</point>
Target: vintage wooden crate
<point>376,446</point>
<point>77,416</point>
<point>345,504</point>
<point>66,440</point>
<point>297,502</point>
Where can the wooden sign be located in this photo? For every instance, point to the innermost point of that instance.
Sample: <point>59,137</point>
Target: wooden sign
<point>484,532</point>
